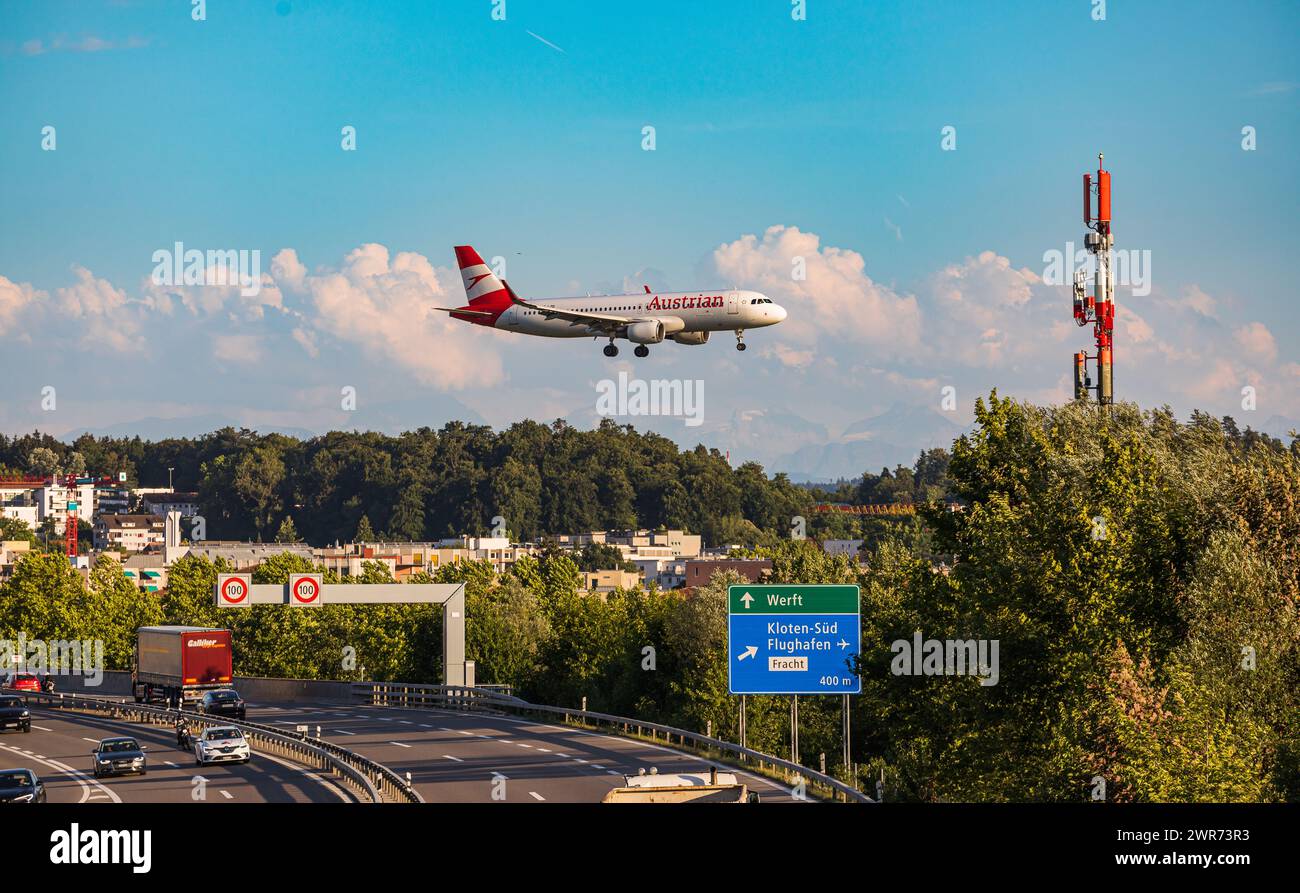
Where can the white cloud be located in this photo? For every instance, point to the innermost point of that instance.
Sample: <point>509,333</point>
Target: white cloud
<point>385,309</point>
<point>1257,341</point>
<point>245,349</point>
<point>836,301</point>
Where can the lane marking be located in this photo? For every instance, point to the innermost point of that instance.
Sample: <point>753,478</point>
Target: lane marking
<point>543,750</point>
<point>536,796</point>
<point>227,795</point>
<point>522,744</point>
<point>399,744</point>
<point>453,759</point>
<point>343,732</point>
<point>42,728</point>
<point>92,740</point>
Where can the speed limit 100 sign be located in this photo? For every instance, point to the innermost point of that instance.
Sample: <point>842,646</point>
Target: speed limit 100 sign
<point>234,590</point>
<point>305,589</point>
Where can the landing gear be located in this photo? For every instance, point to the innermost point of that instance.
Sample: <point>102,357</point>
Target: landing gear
<point>740,339</point>
<point>611,349</point>
<point>642,351</point>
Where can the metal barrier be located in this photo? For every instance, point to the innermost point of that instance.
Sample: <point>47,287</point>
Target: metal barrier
<point>370,781</point>
<point>454,697</point>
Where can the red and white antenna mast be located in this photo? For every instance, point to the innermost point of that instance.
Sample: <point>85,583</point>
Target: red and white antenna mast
<point>1097,308</point>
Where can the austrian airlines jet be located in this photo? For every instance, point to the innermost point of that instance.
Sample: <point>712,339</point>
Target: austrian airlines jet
<point>643,319</point>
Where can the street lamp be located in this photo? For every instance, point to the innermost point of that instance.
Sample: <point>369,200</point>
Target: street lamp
<point>169,478</point>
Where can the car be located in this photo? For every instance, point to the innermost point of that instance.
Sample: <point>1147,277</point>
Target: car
<point>13,712</point>
<point>222,702</point>
<point>221,744</point>
<point>116,756</point>
<point>26,682</point>
<point>21,786</point>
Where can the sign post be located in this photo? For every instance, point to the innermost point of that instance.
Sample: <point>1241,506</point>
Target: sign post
<point>793,640</point>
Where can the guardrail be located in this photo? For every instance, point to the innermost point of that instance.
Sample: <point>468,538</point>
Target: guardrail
<point>370,781</point>
<point>454,697</point>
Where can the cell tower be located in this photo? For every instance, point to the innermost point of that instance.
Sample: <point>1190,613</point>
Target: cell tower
<point>1097,308</point>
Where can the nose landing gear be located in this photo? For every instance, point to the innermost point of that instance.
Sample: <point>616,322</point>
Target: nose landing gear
<point>740,339</point>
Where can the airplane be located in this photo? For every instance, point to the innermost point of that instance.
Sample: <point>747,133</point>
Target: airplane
<point>644,319</point>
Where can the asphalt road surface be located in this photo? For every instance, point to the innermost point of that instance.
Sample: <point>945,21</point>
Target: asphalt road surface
<point>58,750</point>
<point>457,757</point>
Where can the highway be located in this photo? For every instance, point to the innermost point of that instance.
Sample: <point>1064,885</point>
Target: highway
<point>58,750</point>
<point>458,757</point>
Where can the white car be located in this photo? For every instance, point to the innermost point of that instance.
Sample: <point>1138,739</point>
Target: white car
<point>221,744</point>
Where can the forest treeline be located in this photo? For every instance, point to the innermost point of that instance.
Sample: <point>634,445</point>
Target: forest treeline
<point>429,484</point>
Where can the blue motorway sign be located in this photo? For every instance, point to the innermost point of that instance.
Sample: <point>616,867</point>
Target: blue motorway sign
<point>793,640</point>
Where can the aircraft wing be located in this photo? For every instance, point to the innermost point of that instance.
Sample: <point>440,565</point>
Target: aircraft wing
<point>597,322</point>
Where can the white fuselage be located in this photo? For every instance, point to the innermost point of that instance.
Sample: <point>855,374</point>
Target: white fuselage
<point>695,311</point>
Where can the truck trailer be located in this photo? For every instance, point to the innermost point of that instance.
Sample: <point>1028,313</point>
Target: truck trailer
<point>177,664</point>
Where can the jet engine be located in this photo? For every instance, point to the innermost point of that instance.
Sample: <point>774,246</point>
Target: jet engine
<point>647,331</point>
<point>691,337</point>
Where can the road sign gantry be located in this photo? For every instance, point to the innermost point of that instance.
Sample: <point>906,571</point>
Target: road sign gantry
<point>793,640</point>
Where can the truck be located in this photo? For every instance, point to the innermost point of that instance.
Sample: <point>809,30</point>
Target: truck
<point>177,664</point>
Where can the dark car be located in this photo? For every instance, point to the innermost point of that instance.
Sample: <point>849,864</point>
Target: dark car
<point>115,756</point>
<point>21,786</point>
<point>26,682</point>
<point>13,712</point>
<point>223,702</point>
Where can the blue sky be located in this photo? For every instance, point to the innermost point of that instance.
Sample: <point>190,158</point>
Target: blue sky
<point>225,133</point>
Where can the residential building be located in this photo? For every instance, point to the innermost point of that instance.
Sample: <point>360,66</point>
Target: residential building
<point>132,533</point>
<point>162,503</point>
<point>701,570</point>
<point>602,583</point>
<point>11,552</point>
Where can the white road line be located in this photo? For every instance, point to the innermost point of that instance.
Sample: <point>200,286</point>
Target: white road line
<point>543,750</point>
<point>42,728</point>
<point>597,766</point>
<point>536,796</point>
<point>579,760</point>
<point>227,795</point>
<point>399,744</point>
<point>343,732</point>
<point>453,759</point>
<point>406,722</point>
<point>522,744</point>
<point>612,772</point>
<point>463,732</point>
<point>425,725</point>
<point>95,740</point>
<point>170,763</point>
